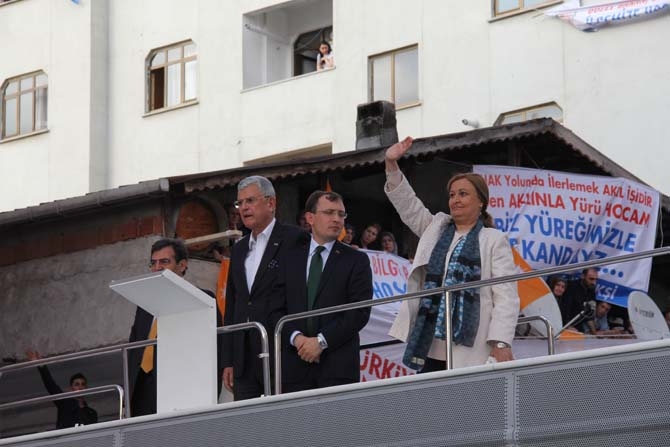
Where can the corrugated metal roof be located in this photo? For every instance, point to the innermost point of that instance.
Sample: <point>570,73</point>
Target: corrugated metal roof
<point>66,207</point>
<point>421,147</point>
<point>545,136</point>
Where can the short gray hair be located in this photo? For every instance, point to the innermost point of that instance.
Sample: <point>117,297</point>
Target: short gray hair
<point>263,184</point>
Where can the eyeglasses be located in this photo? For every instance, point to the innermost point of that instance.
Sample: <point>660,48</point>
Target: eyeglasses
<point>251,201</point>
<point>162,261</point>
<point>331,213</point>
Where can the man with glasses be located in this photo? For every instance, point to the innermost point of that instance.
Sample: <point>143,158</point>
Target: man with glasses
<point>252,292</point>
<point>323,272</point>
<point>166,254</point>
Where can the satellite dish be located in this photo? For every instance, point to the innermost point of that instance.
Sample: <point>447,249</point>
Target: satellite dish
<point>646,318</point>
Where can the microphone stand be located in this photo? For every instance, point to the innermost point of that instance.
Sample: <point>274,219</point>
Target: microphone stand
<point>586,312</point>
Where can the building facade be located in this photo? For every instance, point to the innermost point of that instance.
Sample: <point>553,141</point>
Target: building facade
<point>98,94</point>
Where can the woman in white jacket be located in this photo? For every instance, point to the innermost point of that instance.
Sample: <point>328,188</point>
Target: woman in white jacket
<point>453,248</point>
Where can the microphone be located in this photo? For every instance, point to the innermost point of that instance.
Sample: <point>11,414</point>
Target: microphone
<point>587,312</point>
<point>589,308</point>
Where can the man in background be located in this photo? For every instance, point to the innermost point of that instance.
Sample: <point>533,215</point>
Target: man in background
<point>598,324</point>
<point>577,294</point>
<point>72,411</point>
<point>166,254</point>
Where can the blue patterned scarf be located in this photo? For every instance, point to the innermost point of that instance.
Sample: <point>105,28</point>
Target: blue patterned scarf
<point>464,266</point>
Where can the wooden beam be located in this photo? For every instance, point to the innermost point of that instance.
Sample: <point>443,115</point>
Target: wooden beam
<point>224,236</point>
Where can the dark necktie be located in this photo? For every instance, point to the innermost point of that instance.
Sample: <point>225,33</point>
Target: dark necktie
<point>313,278</point>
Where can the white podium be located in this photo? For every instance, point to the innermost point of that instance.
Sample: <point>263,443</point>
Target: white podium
<point>186,342</point>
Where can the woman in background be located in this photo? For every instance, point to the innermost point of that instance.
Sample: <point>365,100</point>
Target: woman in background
<point>349,235</point>
<point>388,242</point>
<point>369,239</point>
<point>557,284</point>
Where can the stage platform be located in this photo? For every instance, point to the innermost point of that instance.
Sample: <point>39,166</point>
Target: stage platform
<point>602,397</point>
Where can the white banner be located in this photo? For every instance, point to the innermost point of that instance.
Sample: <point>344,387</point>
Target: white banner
<point>592,18</point>
<point>389,278</point>
<point>383,362</point>
<point>557,218</point>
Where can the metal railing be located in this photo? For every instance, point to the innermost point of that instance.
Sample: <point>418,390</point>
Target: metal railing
<point>447,292</point>
<point>265,348</point>
<point>550,330</point>
<point>120,348</point>
<point>123,348</point>
<point>264,355</point>
<point>68,395</point>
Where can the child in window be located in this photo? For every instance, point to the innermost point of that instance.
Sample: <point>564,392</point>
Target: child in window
<point>325,60</point>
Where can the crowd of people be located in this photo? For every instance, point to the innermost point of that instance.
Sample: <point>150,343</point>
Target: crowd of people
<point>278,269</point>
<point>582,312</point>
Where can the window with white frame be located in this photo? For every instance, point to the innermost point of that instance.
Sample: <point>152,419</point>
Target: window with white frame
<point>549,110</point>
<point>24,105</point>
<point>282,40</point>
<point>394,76</point>
<point>502,7</point>
<point>172,76</point>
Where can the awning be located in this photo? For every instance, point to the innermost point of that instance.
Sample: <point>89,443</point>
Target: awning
<point>542,143</point>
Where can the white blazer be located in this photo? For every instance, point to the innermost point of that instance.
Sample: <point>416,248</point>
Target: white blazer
<point>499,305</point>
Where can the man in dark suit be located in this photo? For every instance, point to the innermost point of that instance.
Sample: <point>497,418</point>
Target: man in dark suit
<point>324,272</point>
<point>166,254</point>
<point>251,292</point>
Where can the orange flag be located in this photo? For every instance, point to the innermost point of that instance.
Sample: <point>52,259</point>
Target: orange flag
<point>534,289</point>
<point>529,289</point>
<point>221,286</point>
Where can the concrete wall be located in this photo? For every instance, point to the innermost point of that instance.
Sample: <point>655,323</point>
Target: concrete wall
<point>62,303</point>
<point>610,85</point>
<point>67,297</point>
